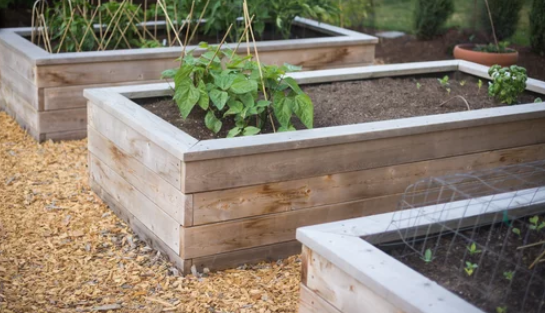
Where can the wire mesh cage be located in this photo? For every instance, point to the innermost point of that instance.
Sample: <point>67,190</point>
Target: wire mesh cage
<point>479,234</point>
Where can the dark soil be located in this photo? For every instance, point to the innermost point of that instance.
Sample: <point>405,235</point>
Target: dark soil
<point>409,49</point>
<point>487,288</point>
<point>359,102</point>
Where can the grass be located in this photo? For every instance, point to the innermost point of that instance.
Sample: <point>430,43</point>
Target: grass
<point>398,15</point>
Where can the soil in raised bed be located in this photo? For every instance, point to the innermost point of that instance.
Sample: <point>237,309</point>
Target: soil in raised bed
<point>362,101</point>
<point>487,288</point>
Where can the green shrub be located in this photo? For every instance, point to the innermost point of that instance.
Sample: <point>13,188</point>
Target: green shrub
<point>505,14</point>
<point>430,16</point>
<point>537,26</point>
<point>507,83</point>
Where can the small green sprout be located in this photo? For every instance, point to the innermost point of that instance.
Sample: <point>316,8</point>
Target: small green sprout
<point>448,91</point>
<point>480,84</point>
<point>418,86</point>
<point>509,275</point>
<point>462,83</point>
<point>501,309</point>
<point>516,231</point>
<point>537,100</point>
<point>473,249</point>
<point>470,268</point>
<point>535,225</point>
<point>428,256</point>
<point>444,81</point>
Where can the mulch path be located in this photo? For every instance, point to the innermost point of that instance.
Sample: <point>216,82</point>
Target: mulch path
<point>62,250</point>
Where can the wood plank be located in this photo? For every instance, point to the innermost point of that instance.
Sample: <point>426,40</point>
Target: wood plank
<point>21,86</point>
<point>136,146</point>
<point>67,120</point>
<point>19,54</point>
<point>310,302</point>
<point>162,225</point>
<point>216,206</point>
<point>169,199</point>
<point>331,29</point>
<point>341,290</point>
<point>157,130</point>
<point>57,98</point>
<point>230,172</point>
<point>137,226</point>
<point>234,259</point>
<point>211,239</point>
<point>73,134</point>
<point>24,113</point>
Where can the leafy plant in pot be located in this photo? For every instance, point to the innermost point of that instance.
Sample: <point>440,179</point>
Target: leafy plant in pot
<point>494,53</point>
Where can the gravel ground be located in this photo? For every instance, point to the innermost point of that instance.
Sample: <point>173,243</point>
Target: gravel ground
<point>62,250</point>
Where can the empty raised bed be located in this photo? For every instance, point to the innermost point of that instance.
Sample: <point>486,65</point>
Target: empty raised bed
<point>43,91</point>
<point>479,251</point>
<point>221,202</point>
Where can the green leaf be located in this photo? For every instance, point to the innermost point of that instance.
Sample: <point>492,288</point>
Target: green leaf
<point>219,98</point>
<point>168,73</point>
<point>186,96</point>
<point>293,85</point>
<point>211,54</point>
<point>282,129</point>
<point>281,107</point>
<point>304,110</point>
<point>263,103</point>
<point>291,68</point>
<point>242,85</point>
<point>204,99</point>
<point>212,122</point>
<point>224,81</point>
<point>247,100</point>
<point>537,100</point>
<point>203,44</point>
<point>182,74</point>
<point>250,131</point>
<point>235,107</point>
<point>234,132</point>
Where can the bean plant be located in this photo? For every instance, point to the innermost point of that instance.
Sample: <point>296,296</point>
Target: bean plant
<point>507,83</point>
<point>226,85</point>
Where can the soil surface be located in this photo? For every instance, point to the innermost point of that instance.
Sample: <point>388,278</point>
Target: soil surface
<point>359,101</point>
<point>487,287</point>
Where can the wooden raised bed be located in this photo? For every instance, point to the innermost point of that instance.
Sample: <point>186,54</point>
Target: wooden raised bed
<point>343,272</point>
<point>218,203</point>
<point>43,91</point>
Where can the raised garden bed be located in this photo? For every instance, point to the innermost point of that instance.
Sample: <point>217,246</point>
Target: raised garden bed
<point>43,91</point>
<point>221,202</point>
<point>344,270</point>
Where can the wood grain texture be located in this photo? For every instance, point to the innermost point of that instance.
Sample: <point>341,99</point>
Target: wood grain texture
<point>311,302</point>
<point>74,119</point>
<point>25,114</point>
<point>138,227</point>
<point>216,206</point>
<point>288,165</point>
<point>162,225</point>
<point>136,145</point>
<point>167,198</point>
<point>21,86</point>
<point>341,290</point>
<point>73,134</point>
<point>211,239</point>
<point>19,54</point>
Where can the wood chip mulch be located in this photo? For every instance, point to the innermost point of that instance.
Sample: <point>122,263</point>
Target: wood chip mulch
<point>62,250</point>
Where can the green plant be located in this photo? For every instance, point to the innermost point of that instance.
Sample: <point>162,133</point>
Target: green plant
<point>516,231</point>
<point>537,26</point>
<point>430,16</point>
<point>354,13</point>
<point>473,249</point>
<point>534,223</point>
<point>480,85</point>
<point>444,81</point>
<point>462,83</point>
<point>418,86</point>
<point>505,14</point>
<point>428,256</point>
<point>501,309</point>
<point>507,83</point>
<point>470,268</point>
<point>226,85</point>
<point>509,275</point>
<point>537,100</point>
<point>502,47</point>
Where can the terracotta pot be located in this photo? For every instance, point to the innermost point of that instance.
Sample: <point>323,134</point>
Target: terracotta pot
<point>466,52</point>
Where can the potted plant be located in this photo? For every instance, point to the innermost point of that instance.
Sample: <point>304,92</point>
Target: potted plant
<point>491,54</point>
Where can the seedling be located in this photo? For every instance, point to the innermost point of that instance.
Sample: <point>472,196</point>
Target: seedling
<point>534,223</point>
<point>470,268</point>
<point>516,231</point>
<point>537,100</point>
<point>428,256</point>
<point>462,83</point>
<point>448,91</point>
<point>480,84</point>
<point>473,249</point>
<point>418,86</point>
<point>444,81</point>
<point>501,309</point>
<point>509,275</point>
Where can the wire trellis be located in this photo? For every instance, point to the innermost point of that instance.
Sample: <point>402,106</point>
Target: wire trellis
<point>479,234</point>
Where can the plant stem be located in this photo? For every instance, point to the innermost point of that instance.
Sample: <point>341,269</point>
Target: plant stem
<point>199,21</point>
<point>219,48</point>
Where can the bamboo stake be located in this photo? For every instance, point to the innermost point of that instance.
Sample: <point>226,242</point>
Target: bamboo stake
<point>89,24</point>
<point>129,23</point>
<point>47,42</point>
<point>242,37</point>
<point>66,31</point>
<point>199,20</point>
<point>169,21</point>
<point>219,47</point>
<point>538,259</point>
<point>155,26</point>
<point>531,245</point>
<point>188,27</point>
<point>110,24</point>
<point>145,18</point>
<point>100,23</point>
<point>492,24</point>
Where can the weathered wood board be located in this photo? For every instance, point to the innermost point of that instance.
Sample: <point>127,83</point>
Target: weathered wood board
<point>223,202</point>
<point>44,91</point>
